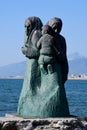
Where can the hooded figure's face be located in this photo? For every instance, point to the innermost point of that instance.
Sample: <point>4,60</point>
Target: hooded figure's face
<point>27,27</point>
<point>56,24</point>
<point>32,23</point>
<point>56,27</point>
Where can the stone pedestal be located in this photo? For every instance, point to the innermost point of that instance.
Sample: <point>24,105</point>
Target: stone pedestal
<point>14,122</point>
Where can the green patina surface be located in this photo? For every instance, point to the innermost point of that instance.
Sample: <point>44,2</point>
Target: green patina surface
<point>43,94</point>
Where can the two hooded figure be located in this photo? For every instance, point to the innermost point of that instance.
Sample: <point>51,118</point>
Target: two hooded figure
<point>43,93</point>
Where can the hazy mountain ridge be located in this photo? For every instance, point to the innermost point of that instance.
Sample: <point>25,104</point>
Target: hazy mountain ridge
<point>77,65</point>
<point>75,56</point>
<point>15,69</point>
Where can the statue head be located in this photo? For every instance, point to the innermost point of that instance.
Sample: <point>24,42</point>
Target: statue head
<point>46,29</point>
<point>32,23</point>
<point>56,24</point>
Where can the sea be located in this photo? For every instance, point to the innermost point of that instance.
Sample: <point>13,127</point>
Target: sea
<point>76,92</point>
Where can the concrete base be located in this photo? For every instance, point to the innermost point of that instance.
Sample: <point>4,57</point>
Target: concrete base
<point>15,122</point>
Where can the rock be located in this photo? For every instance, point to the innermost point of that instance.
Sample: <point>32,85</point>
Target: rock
<point>1,124</point>
<point>9,126</point>
<point>21,123</point>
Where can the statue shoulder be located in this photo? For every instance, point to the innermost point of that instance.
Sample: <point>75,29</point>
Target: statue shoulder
<point>62,37</point>
<point>37,33</point>
<point>35,37</point>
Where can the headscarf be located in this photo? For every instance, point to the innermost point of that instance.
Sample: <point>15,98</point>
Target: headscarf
<point>55,22</point>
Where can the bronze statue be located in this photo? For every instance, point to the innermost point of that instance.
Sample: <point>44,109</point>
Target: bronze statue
<point>43,93</point>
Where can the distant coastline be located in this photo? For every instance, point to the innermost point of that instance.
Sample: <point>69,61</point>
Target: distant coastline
<point>11,77</point>
<point>78,77</point>
<point>71,77</point>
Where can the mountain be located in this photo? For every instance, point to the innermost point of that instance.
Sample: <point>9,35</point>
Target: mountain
<point>15,69</point>
<point>74,56</point>
<point>77,65</point>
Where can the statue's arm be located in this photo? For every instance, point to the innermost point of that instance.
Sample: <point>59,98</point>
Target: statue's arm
<point>65,66</point>
<point>61,56</point>
<point>59,47</point>
<point>62,50</point>
<point>29,49</point>
<point>39,44</point>
<point>35,38</point>
<point>65,70</point>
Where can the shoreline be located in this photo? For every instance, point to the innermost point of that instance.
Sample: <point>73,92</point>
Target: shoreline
<point>77,78</point>
<point>22,77</point>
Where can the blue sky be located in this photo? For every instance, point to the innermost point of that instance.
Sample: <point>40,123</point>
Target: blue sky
<point>13,14</point>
